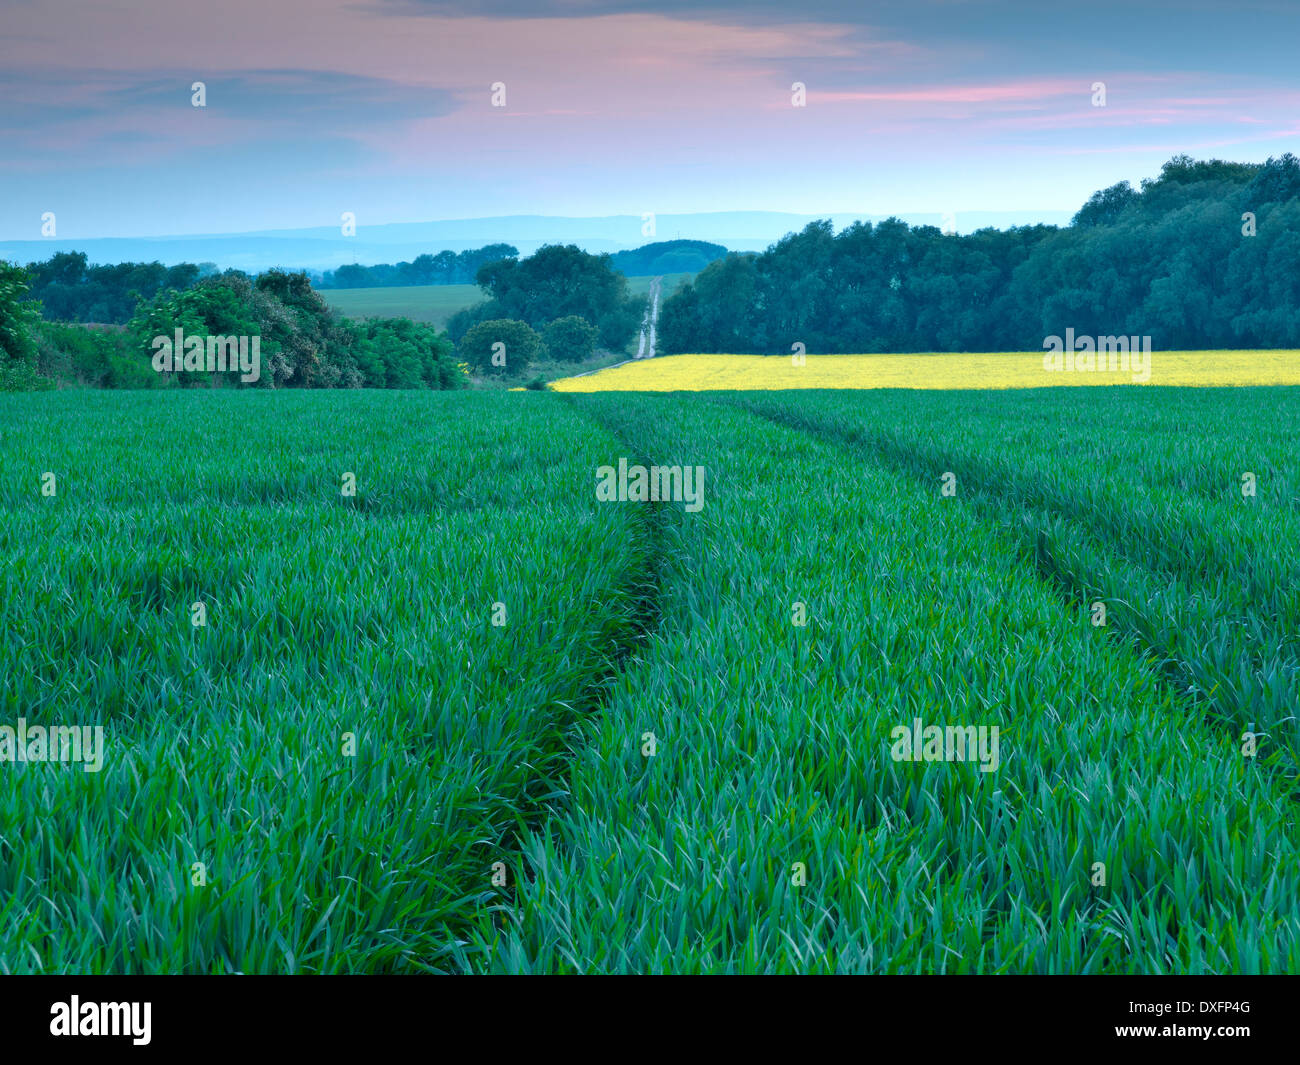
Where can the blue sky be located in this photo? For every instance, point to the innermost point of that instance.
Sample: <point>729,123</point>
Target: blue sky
<point>383,107</point>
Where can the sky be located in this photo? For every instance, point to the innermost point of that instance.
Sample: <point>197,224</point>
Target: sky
<point>384,108</point>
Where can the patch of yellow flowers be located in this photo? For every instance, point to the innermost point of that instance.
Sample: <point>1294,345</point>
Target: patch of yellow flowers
<point>698,373</point>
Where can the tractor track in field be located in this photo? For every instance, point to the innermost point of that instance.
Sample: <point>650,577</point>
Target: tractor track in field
<point>645,619</point>
<point>1073,582</point>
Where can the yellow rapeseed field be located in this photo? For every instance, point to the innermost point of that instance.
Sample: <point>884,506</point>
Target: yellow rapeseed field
<point>699,373</point>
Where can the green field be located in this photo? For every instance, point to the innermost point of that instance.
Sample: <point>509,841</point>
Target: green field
<point>472,718</point>
<point>437,303</point>
<point>421,303</point>
<point>640,286</point>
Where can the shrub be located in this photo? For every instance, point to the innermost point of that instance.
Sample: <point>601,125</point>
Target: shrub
<point>570,339</point>
<point>18,316</point>
<point>521,346</point>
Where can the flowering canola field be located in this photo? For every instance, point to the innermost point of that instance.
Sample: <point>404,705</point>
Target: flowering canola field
<point>700,373</point>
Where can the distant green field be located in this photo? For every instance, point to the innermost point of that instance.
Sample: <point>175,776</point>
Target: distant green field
<point>437,303</point>
<point>422,303</point>
<point>640,286</point>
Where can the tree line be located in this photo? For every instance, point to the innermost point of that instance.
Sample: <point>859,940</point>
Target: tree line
<point>301,341</point>
<point>444,268</point>
<point>452,268</point>
<point>1206,255</point>
<point>71,290</point>
<point>560,304</point>
<point>667,257</point>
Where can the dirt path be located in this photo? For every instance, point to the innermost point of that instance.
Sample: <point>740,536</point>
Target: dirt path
<point>645,348</point>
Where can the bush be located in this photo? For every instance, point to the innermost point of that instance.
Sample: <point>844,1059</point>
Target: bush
<point>400,353</point>
<point>101,357</point>
<point>127,370</point>
<point>19,316</point>
<point>223,306</point>
<point>303,343</point>
<point>621,324</point>
<point>521,346</point>
<point>570,339</point>
<point>22,377</point>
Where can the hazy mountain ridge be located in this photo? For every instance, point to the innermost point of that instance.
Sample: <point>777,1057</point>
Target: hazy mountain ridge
<point>325,248</point>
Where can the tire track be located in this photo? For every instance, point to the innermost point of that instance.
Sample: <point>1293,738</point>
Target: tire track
<point>1081,562</point>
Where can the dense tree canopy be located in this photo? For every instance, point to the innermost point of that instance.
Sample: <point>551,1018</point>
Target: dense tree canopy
<point>1175,260</point>
<point>570,339</point>
<point>500,346</point>
<point>70,290</point>
<point>667,257</point>
<point>555,282</point>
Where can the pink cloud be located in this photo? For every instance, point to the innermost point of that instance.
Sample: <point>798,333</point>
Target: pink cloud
<point>1025,90</point>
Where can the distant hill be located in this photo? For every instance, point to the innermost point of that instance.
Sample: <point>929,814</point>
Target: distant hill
<point>668,257</point>
<point>325,248</point>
